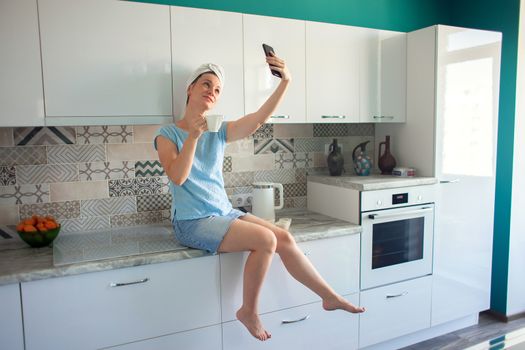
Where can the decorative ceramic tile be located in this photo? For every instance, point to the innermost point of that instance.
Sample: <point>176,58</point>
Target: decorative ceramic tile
<point>76,154</point>
<point>38,174</point>
<point>273,146</point>
<point>106,170</point>
<point>300,175</point>
<point>238,179</point>
<point>154,203</point>
<point>293,160</point>
<point>227,164</point>
<point>67,191</point>
<point>24,194</point>
<point>320,160</point>
<point>165,185</point>
<point>330,130</point>
<point>239,147</point>
<point>9,215</point>
<point>143,218</point>
<point>264,132</point>
<point>145,168</point>
<point>293,130</point>
<point>132,151</point>
<point>145,133</point>
<point>295,202</point>
<point>311,144</point>
<point>253,162</point>
<point>135,187</point>
<point>6,137</point>
<point>282,176</point>
<point>108,206</point>
<point>361,129</point>
<point>243,190</point>
<point>7,175</point>
<point>104,134</point>
<point>295,190</point>
<point>84,224</point>
<point>59,210</point>
<point>54,135</point>
<point>23,155</point>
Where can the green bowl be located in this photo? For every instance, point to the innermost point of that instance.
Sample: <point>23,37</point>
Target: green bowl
<point>39,239</point>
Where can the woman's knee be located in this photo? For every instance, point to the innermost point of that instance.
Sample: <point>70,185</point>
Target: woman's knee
<point>284,239</point>
<point>267,240</point>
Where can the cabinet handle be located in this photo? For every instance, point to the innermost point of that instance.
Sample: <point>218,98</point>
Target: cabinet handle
<point>280,117</point>
<point>384,117</point>
<point>295,321</point>
<point>449,181</point>
<point>115,284</point>
<point>333,116</point>
<point>388,296</point>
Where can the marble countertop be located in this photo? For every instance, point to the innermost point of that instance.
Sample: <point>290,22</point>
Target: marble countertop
<point>30,264</point>
<point>372,182</point>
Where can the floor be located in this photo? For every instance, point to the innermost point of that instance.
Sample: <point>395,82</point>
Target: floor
<point>487,328</point>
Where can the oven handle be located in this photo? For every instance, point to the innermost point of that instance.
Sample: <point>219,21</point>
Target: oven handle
<point>410,212</point>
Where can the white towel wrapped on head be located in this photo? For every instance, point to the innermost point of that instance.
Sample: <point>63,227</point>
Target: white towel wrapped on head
<point>207,68</point>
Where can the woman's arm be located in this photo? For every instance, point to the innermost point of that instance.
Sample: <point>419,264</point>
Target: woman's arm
<point>176,165</point>
<point>248,124</point>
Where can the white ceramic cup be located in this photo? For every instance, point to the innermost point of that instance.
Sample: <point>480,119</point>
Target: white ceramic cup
<point>214,122</point>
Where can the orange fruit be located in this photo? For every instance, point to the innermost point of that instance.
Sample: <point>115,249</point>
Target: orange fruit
<point>20,226</point>
<point>50,225</point>
<point>30,228</point>
<point>29,222</point>
<point>41,227</point>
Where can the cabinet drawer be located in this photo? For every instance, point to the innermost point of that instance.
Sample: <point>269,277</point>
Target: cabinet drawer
<point>395,310</point>
<point>208,338</point>
<point>321,330</point>
<point>86,312</point>
<point>336,259</point>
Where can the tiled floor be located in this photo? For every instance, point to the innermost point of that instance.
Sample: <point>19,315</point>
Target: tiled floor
<point>487,328</point>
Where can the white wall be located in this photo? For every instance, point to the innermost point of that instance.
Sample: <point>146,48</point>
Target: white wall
<point>516,287</point>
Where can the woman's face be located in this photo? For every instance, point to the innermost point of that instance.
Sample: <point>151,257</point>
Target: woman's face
<point>205,91</point>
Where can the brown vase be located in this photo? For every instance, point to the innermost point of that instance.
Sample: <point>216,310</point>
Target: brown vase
<point>386,161</point>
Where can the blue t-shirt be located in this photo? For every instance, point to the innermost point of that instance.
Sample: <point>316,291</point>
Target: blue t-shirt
<point>202,194</point>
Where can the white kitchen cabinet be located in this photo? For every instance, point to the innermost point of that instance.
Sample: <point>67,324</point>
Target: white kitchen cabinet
<point>304,327</point>
<point>382,77</point>
<point>21,100</point>
<point>395,310</point>
<point>332,72</point>
<point>287,37</point>
<point>105,62</point>
<point>336,259</point>
<point>89,312</point>
<point>451,133</point>
<point>11,333</point>
<point>207,36</point>
<point>208,338</point>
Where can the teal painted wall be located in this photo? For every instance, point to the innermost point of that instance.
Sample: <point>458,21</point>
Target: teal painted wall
<point>407,15</point>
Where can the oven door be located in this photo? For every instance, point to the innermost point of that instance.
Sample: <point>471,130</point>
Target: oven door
<point>396,244</point>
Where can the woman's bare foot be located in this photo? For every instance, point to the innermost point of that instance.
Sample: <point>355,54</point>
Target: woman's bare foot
<point>252,322</point>
<point>338,302</point>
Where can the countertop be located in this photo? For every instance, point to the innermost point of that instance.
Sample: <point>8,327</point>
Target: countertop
<point>372,182</point>
<point>30,264</point>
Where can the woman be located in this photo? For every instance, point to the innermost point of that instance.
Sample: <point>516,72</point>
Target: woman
<point>203,217</point>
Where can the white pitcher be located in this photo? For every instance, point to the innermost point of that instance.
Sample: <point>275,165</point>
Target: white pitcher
<point>263,200</point>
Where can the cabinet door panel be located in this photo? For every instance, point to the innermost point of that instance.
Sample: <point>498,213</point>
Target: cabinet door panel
<point>87,312</point>
<point>315,329</point>
<point>336,259</point>
<point>105,58</point>
<point>206,36</point>
<point>21,100</point>
<point>286,36</point>
<point>11,334</point>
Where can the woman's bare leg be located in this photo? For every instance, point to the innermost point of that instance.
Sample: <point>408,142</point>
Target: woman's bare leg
<point>302,269</point>
<point>261,242</point>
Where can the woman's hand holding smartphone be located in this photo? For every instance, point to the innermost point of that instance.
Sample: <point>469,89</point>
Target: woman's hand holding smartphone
<point>269,52</point>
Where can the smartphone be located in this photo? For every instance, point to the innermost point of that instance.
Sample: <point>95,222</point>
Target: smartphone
<point>267,49</point>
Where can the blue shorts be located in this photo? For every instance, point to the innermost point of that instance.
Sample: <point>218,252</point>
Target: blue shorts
<point>205,233</point>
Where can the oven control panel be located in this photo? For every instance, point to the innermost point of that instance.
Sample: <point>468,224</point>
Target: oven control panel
<point>397,197</point>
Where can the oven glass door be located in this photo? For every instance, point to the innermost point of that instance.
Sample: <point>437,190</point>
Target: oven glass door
<point>396,245</point>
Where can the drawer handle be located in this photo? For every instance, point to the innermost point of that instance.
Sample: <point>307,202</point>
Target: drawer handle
<point>280,117</point>
<point>113,284</point>
<point>384,117</point>
<point>333,116</point>
<point>295,321</point>
<point>396,295</point>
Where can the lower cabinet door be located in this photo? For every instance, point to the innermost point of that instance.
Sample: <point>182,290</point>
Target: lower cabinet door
<point>395,310</point>
<point>207,338</point>
<point>304,327</point>
<point>11,334</point>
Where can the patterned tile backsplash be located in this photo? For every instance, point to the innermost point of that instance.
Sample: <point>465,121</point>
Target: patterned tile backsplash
<point>96,177</point>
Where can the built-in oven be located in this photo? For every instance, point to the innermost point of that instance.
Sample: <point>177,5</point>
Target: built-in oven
<point>397,235</point>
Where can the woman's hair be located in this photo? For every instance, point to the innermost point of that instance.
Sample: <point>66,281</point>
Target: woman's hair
<point>195,80</point>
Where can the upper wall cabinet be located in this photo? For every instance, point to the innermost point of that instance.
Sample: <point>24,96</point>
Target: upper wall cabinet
<point>382,79</point>
<point>287,37</point>
<point>105,59</point>
<point>332,72</point>
<point>21,99</point>
<point>207,36</point>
